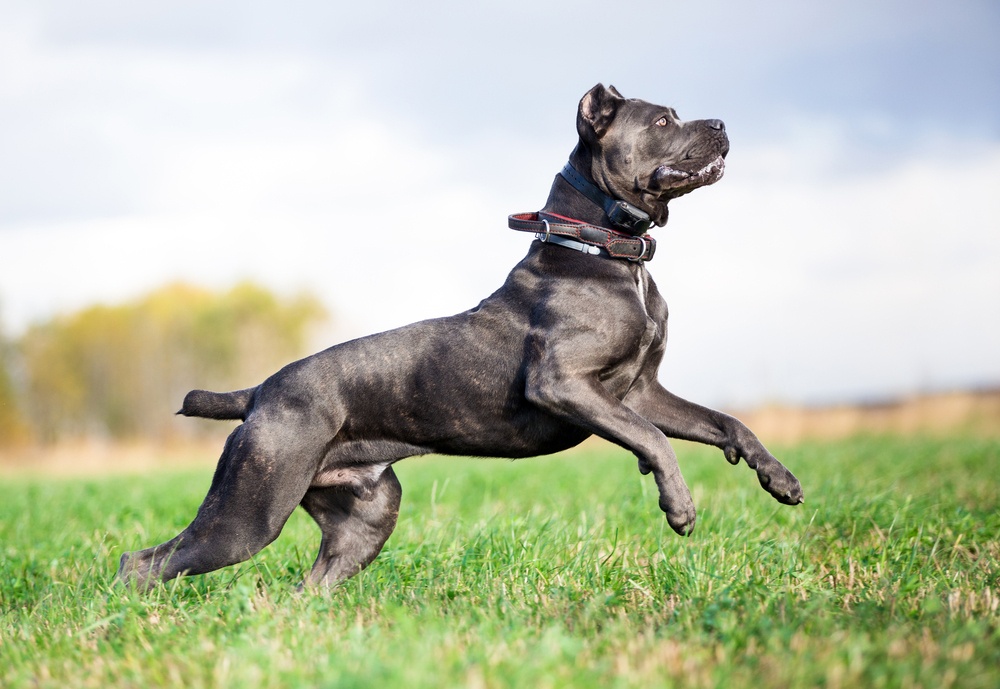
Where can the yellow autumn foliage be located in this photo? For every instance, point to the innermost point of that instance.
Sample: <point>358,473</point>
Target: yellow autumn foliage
<point>121,371</point>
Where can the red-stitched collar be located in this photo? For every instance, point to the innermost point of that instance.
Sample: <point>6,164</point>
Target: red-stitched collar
<point>616,244</point>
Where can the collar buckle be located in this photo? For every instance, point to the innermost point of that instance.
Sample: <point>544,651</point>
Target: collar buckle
<point>590,249</point>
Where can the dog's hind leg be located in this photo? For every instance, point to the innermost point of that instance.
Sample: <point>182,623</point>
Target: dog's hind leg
<point>356,522</point>
<point>258,483</point>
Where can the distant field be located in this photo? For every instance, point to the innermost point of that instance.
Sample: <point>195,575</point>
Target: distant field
<point>551,572</point>
<point>969,412</point>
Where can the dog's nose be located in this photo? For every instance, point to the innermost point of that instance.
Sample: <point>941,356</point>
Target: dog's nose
<point>717,125</point>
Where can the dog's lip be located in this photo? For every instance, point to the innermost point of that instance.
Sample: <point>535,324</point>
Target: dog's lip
<point>669,176</point>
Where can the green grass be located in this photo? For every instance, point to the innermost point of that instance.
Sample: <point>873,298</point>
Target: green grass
<point>550,572</point>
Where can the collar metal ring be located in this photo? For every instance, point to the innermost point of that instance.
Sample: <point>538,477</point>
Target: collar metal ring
<point>641,253</point>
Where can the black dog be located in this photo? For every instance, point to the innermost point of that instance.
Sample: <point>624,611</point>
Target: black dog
<point>568,347</point>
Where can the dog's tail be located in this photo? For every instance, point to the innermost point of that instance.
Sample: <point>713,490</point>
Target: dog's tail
<point>218,405</point>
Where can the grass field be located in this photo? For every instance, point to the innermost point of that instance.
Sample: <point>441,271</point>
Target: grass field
<point>552,572</point>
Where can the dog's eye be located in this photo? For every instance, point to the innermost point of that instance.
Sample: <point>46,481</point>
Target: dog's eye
<point>662,122</point>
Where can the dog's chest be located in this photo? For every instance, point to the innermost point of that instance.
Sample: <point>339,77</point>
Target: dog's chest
<point>641,278</point>
<point>649,334</point>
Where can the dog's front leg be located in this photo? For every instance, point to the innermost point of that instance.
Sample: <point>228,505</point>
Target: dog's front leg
<point>584,402</point>
<point>678,418</point>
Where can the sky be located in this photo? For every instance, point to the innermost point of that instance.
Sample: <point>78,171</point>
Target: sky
<point>370,153</point>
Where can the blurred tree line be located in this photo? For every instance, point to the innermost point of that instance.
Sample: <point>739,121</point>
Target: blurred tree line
<point>120,372</point>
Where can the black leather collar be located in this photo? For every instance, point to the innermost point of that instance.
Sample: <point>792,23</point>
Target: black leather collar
<point>622,214</point>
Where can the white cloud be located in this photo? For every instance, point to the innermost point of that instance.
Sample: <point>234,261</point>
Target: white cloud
<point>804,286</point>
<point>781,285</point>
<point>847,254</point>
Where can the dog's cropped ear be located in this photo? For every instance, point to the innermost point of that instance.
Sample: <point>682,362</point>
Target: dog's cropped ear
<point>598,108</point>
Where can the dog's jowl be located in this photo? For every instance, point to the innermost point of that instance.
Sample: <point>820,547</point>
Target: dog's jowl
<point>567,348</point>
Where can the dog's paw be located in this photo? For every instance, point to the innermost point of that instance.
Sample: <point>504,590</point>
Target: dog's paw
<point>682,521</point>
<point>680,514</point>
<point>779,482</point>
<point>131,574</point>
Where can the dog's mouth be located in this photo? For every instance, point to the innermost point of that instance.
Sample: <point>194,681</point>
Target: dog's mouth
<point>677,181</point>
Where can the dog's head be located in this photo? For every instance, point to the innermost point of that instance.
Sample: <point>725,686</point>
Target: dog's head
<point>644,154</point>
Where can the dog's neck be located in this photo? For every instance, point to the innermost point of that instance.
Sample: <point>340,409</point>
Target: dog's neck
<point>567,201</point>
